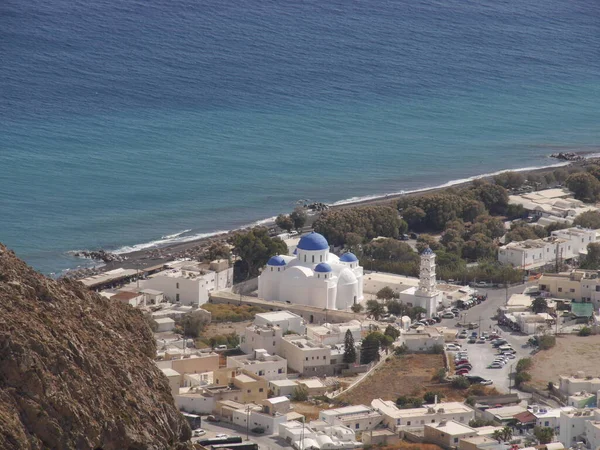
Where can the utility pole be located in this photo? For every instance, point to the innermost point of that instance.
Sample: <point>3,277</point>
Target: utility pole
<point>247,422</point>
<point>509,379</point>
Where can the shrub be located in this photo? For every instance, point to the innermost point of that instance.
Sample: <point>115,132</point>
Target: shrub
<point>258,430</point>
<point>440,374</point>
<point>400,350</point>
<point>437,349</point>
<point>477,423</point>
<point>546,342</point>
<point>300,394</point>
<point>585,331</point>
<point>522,377</point>
<point>460,383</point>
<point>429,396</point>
<point>524,364</point>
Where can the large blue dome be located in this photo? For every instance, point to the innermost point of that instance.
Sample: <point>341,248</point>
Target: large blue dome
<point>323,267</point>
<point>313,241</point>
<point>276,261</point>
<point>348,257</point>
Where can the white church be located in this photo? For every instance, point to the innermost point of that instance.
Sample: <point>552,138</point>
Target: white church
<point>313,276</point>
<point>426,294</point>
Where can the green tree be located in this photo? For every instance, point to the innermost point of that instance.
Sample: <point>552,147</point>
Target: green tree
<point>524,364</point>
<point>549,178</point>
<point>507,434</point>
<point>255,247</point>
<point>414,217</point>
<point>300,393</point>
<point>353,241</point>
<point>385,342</point>
<point>522,377</point>
<point>299,217</point>
<point>375,309</point>
<point>546,342</point>
<point>370,347</point>
<point>494,197</point>
<point>397,308</point>
<point>479,246</point>
<point>560,175</point>
<point>497,435</point>
<point>284,222</point>
<point>416,312</point>
<point>478,423</point>
<point>588,219</point>
<point>357,308</point>
<point>514,211</point>
<point>591,261</point>
<point>218,250</point>
<point>543,434</point>
<point>510,180</point>
<point>585,331</point>
<point>429,396</point>
<point>427,241</point>
<point>584,186</point>
<point>193,324</point>
<point>539,305</point>
<point>390,250</point>
<point>460,383</point>
<point>392,332</point>
<point>386,293</point>
<point>349,349</point>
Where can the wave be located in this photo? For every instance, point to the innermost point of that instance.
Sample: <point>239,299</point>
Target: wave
<point>167,241</point>
<point>352,200</point>
<point>171,236</point>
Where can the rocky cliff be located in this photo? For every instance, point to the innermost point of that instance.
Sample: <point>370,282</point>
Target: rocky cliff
<point>76,370</point>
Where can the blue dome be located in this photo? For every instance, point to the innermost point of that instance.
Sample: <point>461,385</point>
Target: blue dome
<point>323,267</point>
<point>276,261</point>
<point>313,241</point>
<point>427,251</point>
<point>348,257</point>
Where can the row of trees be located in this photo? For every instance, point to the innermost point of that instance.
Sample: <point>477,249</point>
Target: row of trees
<point>353,226</point>
<point>376,341</point>
<point>296,220</point>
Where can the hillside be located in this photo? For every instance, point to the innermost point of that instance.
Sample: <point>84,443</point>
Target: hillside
<point>76,370</point>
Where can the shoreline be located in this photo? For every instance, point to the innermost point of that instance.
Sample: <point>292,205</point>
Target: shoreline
<point>154,253</point>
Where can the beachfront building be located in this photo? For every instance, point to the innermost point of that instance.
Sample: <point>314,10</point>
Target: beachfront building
<point>313,277</point>
<point>190,283</point>
<point>567,244</point>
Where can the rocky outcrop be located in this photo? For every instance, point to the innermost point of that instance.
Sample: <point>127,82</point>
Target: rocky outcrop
<point>76,370</point>
<point>567,156</point>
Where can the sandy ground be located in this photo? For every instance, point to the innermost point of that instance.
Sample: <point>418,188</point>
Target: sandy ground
<point>214,329</point>
<point>570,355</point>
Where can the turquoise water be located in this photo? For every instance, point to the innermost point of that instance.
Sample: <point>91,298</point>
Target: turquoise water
<point>131,121</point>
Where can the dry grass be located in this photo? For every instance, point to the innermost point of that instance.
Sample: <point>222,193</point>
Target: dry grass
<point>216,329</point>
<point>571,354</point>
<point>310,411</point>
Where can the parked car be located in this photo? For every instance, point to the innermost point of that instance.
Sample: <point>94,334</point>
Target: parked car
<point>452,347</point>
<point>464,366</point>
<point>486,382</point>
<point>448,315</point>
<point>461,372</point>
<point>414,236</point>
<point>437,319</point>
<point>510,355</point>
<point>481,340</point>
<point>221,436</point>
<point>499,342</point>
<point>404,237</point>
<point>461,362</point>
<point>495,365</point>
<point>472,340</point>
<point>199,432</point>
<point>212,418</point>
<point>462,335</point>
<point>456,311</point>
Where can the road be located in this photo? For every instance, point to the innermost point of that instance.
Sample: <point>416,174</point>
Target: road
<point>264,442</point>
<point>481,355</point>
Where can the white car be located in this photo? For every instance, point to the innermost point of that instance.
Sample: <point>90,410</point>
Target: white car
<point>510,356</point>
<point>448,315</point>
<point>486,382</point>
<point>199,432</point>
<point>452,347</point>
<point>221,436</point>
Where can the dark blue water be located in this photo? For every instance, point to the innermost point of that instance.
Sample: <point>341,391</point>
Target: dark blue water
<point>125,121</point>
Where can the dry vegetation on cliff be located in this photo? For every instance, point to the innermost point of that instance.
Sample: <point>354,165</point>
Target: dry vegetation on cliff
<point>76,370</point>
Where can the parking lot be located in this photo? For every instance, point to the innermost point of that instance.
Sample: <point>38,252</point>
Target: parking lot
<point>264,442</point>
<point>482,355</point>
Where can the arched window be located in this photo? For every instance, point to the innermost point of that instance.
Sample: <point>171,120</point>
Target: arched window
<point>304,258</point>
<point>313,258</point>
<point>321,258</point>
<point>271,269</point>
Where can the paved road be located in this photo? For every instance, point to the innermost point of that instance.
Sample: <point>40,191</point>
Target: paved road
<point>481,355</point>
<point>264,442</point>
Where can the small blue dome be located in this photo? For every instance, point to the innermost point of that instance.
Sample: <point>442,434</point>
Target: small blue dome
<point>348,257</point>
<point>313,241</point>
<point>323,267</point>
<point>427,251</point>
<point>276,261</point>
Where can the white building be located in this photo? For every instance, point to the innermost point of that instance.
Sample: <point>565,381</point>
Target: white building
<point>269,416</point>
<point>174,380</point>
<point>283,388</point>
<point>447,434</point>
<point>164,324</point>
<point>426,294</point>
<point>551,205</point>
<point>396,419</point>
<point>261,363</point>
<point>421,339</point>
<point>549,417</point>
<point>190,283</point>
<point>534,253</point>
<point>287,321</point>
<point>334,333</point>
<point>577,383</point>
<point>573,425</point>
<point>313,277</point>
<point>306,357</point>
<point>356,417</point>
<point>261,337</point>
<point>318,435</point>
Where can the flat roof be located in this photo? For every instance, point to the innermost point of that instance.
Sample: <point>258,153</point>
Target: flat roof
<point>276,400</point>
<point>312,383</point>
<point>164,320</point>
<point>451,427</point>
<point>170,372</point>
<point>151,291</point>
<point>355,409</point>
<point>277,316</point>
<point>105,277</point>
<point>125,295</point>
<point>283,383</point>
<point>244,378</point>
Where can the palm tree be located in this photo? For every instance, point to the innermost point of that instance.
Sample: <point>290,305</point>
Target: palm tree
<point>506,433</point>
<point>497,435</point>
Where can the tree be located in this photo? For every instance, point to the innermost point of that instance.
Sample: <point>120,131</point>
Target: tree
<point>397,308</point>
<point>539,305</point>
<point>524,364</point>
<point>218,250</point>
<point>427,241</point>
<point>473,209</point>
<point>385,342</point>
<point>497,435</point>
<point>357,308</point>
<point>386,293</point>
<point>588,219</point>
<point>300,393</point>
<point>193,324</point>
<point>478,423</point>
<point>370,347</point>
<point>494,197</point>
<point>507,434</point>
<point>299,217</point>
<point>560,175</point>
<point>460,383</point>
<point>546,342</point>
<point>584,186</point>
<point>353,241</point>
<point>413,216</point>
<point>349,349</point>
<point>375,309</point>
<point>429,396</point>
<point>416,312</point>
<point>284,222</point>
<point>522,377</point>
<point>255,247</point>
<point>510,180</point>
<point>392,332</point>
<point>543,434</point>
<point>591,261</point>
<point>585,331</point>
<point>514,211</point>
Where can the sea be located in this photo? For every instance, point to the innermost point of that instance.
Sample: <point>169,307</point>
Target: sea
<point>126,124</point>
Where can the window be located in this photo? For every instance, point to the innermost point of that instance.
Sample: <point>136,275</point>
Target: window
<point>546,423</point>
<point>304,258</point>
<point>571,290</point>
<point>455,440</point>
<point>271,269</point>
<point>261,373</point>
<point>176,297</point>
<point>249,391</point>
<point>279,370</point>
<point>177,285</point>
<point>273,343</point>
<point>321,258</point>
<point>408,423</point>
<point>356,426</point>
<point>260,389</point>
<point>313,258</point>
<point>307,358</point>
<point>559,289</point>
